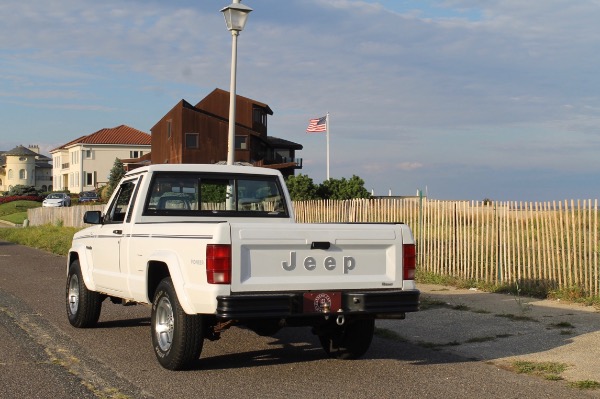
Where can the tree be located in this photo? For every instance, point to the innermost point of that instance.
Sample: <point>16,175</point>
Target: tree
<point>116,174</point>
<point>301,188</point>
<point>21,190</point>
<point>341,189</point>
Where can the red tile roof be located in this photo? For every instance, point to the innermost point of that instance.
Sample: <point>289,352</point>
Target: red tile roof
<point>117,135</point>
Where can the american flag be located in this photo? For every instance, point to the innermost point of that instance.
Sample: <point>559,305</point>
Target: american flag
<point>317,125</point>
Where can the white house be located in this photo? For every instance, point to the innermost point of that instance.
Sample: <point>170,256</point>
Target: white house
<point>84,164</point>
<point>25,166</point>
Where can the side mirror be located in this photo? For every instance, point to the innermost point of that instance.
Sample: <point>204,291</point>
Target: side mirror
<point>92,217</point>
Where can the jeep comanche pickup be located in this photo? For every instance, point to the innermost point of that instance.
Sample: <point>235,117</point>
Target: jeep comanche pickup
<point>213,246</point>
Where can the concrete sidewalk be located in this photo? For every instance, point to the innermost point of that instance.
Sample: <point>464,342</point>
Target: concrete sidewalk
<point>502,329</point>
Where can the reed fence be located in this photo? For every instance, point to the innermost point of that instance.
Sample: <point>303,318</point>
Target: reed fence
<point>543,245</point>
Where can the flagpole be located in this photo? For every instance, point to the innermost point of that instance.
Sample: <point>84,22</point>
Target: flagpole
<point>327,134</point>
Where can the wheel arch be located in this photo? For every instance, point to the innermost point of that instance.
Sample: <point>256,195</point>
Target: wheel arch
<point>166,264</point>
<point>73,256</point>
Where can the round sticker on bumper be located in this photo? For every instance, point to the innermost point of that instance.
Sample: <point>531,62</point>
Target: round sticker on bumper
<point>322,302</point>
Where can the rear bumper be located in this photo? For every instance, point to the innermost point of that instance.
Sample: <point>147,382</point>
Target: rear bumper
<point>377,304</point>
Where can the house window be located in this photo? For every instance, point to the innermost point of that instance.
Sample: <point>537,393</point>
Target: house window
<point>285,155</point>
<point>22,174</point>
<point>135,154</point>
<point>169,129</point>
<point>240,142</point>
<point>259,116</point>
<point>191,140</point>
<point>10,174</point>
<point>88,154</point>
<point>89,179</point>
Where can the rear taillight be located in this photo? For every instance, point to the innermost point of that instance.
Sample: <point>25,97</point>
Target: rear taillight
<point>218,263</point>
<point>410,261</point>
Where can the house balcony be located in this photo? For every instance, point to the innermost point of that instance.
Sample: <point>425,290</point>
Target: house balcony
<point>276,162</point>
<point>280,163</point>
<point>283,160</point>
<point>65,166</point>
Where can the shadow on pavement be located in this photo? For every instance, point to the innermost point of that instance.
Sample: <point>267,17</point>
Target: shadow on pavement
<point>503,328</point>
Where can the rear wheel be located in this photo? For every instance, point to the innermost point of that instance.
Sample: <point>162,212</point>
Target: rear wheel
<point>349,341</point>
<point>177,337</point>
<point>83,305</point>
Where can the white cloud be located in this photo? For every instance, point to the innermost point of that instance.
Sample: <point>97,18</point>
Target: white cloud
<point>422,89</point>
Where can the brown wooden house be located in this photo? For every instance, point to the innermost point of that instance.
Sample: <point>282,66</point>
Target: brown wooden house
<point>199,133</point>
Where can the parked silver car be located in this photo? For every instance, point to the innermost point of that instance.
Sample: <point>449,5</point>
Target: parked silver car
<point>57,200</point>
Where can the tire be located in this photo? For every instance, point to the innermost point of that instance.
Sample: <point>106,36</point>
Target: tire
<point>83,305</point>
<point>349,341</point>
<point>177,337</point>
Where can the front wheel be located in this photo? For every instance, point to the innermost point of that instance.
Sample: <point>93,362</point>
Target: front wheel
<point>177,337</point>
<point>83,305</point>
<point>349,341</point>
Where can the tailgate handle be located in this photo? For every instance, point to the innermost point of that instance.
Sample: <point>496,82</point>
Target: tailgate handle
<point>320,245</point>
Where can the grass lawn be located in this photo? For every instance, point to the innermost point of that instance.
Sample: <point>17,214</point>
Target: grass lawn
<point>16,218</point>
<point>49,238</point>
<point>16,211</point>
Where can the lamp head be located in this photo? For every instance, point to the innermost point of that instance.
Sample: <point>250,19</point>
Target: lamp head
<point>236,15</point>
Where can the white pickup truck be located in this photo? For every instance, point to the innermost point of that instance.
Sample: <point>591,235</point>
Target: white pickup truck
<point>213,246</point>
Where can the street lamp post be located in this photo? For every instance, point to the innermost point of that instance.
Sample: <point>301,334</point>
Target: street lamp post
<point>235,15</point>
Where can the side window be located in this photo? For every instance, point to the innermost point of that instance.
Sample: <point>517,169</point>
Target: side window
<point>118,209</point>
<point>132,201</point>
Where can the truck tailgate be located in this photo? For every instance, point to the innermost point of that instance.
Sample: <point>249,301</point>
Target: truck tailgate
<point>301,257</point>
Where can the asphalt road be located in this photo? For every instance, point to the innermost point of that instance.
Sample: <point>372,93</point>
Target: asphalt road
<point>42,356</point>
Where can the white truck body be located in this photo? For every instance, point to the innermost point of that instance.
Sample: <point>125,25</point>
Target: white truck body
<point>226,240</point>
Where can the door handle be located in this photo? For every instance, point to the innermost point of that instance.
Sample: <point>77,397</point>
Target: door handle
<point>117,231</point>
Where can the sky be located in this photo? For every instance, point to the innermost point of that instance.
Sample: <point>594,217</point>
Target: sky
<point>462,99</point>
